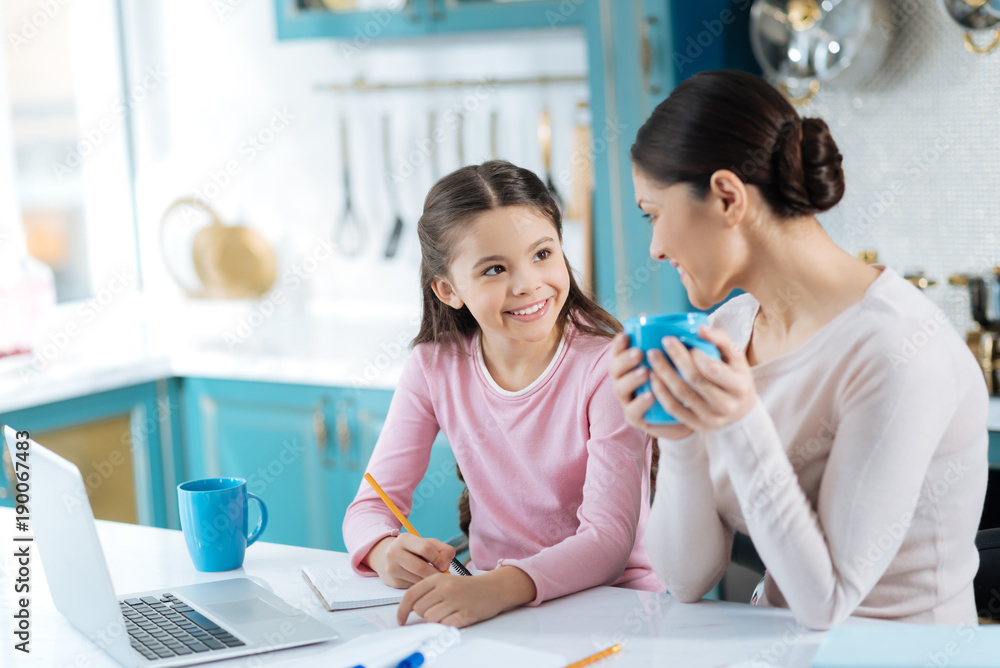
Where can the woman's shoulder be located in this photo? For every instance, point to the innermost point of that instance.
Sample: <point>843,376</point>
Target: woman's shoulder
<point>736,317</point>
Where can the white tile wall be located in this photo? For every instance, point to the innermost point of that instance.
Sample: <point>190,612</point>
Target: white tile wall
<point>226,73</point>
<point>921,146</point>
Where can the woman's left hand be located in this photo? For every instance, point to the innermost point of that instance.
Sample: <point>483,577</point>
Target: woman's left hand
<point>456,600</point>
<point>706,394</point>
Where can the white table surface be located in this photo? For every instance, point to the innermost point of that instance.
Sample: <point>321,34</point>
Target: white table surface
<point>654,629</point>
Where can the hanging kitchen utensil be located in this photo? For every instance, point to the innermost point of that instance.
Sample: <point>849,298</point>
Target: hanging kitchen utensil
<point>802,44</point>
<point>494,121</point>
<point>433,157</point>
<point>397,225</point>
<point>349,235</point>
<point>976,15</point>
<point>231,261</point>
<point>545,144</point>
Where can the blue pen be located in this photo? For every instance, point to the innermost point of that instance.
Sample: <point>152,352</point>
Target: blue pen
<point>413,661</point>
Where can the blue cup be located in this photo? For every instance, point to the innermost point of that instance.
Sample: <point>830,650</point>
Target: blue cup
<point>214,520</point>
<point>646,332</point>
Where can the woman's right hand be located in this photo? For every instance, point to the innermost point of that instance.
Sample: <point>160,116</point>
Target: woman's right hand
<point>628,375</point>
<point>404,560</point>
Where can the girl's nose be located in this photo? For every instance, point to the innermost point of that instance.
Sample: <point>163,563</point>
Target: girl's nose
<point>656,252</point>
<point>526,282</point>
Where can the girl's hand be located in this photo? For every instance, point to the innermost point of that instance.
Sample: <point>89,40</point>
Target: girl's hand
<point>628,376</point>
<point>404,560</point>
<point>706,394</point>
<point>460,601</point>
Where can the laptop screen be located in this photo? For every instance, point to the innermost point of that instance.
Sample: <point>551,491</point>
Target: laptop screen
<point>65,535</point>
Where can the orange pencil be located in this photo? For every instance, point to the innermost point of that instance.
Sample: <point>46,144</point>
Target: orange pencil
<point>455,563</point>
<point>595,657</point>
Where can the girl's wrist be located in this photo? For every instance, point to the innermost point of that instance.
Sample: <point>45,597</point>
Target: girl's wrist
<point>511,586</point>
<point>373,559</point>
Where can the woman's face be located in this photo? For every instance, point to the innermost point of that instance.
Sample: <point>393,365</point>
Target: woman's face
<point>692,235</point>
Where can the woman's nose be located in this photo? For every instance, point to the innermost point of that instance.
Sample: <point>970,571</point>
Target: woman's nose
<point>656,252</point>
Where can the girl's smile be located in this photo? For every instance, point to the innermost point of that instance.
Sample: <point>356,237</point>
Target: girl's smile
<point>531,312</point>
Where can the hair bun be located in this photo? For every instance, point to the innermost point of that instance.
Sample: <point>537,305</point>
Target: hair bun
<point>821,162</point>
<point>808,173</point>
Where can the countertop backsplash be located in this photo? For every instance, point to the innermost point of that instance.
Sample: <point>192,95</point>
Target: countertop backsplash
<point>921,141</point>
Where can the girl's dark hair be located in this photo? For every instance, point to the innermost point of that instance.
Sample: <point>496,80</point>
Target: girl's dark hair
<point>452,205</point>
<point>737,121</point>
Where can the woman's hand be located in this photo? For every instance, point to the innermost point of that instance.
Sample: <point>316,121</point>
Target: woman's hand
<point>628,376</point>
<point>459,601</point>
<point>404,560</point>
<point>703,394</point>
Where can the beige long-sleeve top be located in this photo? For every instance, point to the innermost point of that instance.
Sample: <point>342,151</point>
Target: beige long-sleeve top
<point>860,474</point>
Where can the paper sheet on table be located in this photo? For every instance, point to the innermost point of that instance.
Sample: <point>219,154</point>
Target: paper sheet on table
<point>485,653</point>
<point>386,649</point>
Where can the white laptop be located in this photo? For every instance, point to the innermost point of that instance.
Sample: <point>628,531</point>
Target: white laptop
<point>179,626</point>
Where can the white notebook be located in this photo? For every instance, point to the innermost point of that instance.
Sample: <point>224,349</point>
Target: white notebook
<point>340,588</point>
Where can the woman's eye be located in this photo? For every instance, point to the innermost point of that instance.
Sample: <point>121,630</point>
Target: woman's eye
<point>648,217</point>
<point>494,270</point>
<point>543,254</point>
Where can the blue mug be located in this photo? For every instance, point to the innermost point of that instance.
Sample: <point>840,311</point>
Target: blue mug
<point>646,332</point>
<point>214,520</point>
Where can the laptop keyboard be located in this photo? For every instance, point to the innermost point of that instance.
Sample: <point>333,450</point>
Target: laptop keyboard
<point>163,627</point>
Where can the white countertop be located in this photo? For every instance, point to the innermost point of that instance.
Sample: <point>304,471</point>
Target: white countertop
<point>654,629</point>
<point>350,345</point>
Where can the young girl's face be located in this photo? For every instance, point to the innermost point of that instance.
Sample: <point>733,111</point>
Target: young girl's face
<point>508,268</point>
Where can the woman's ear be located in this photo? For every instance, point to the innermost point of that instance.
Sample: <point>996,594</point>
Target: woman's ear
<point>444,291</point>
<point>731,194</point>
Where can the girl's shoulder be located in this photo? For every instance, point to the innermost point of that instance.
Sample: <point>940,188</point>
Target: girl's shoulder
<point>588,351</point>
<point>437,353</point>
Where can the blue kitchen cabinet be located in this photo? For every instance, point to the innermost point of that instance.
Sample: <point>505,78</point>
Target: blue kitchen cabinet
<point>128,466</point>
<point>301,448</point>
<point>274,437</point>
<point>474,15</point>
<point>302,19</point>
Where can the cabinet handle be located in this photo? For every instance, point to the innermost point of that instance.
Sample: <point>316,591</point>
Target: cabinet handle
<point>344,436</point>
<point>646,52</point>
<point>322,435</point>
<point>433,12</point>
<point>8,469</point>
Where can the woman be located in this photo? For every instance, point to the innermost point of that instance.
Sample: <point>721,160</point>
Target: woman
<point>844,428</point>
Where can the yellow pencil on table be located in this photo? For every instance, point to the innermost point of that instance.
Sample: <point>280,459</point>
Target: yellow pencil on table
<point>595,657</point>
<point>455,563</point>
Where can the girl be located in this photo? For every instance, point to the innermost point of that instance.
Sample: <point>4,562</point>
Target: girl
<point>511,364</point>
<point>845,427</point>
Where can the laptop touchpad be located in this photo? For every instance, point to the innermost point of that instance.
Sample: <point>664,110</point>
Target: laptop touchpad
<point>247,610</point>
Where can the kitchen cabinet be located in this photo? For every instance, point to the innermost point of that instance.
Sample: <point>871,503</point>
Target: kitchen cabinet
<point>303,449</point>
<point>122,442</point>
<point>362,22</point>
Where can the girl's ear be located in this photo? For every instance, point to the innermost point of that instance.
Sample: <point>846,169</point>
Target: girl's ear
<point>446,293</point>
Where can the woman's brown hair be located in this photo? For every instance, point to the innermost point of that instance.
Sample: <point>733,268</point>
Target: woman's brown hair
<point>737,121</point>
<point>451,207</point>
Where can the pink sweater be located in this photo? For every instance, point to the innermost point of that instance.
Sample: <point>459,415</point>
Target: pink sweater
<point>559,484</point>
<point>860,474</point>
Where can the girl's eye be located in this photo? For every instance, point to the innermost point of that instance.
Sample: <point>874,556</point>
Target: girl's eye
<point>648,217</point>
<point>494,270</point>
<point>543,254</point>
